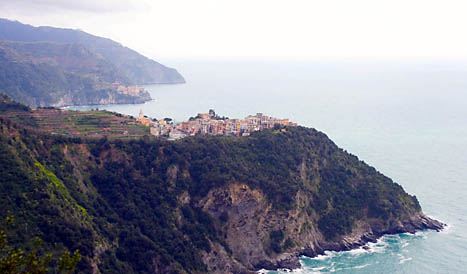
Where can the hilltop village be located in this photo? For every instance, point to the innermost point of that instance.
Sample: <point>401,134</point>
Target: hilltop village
<point>211,124</point>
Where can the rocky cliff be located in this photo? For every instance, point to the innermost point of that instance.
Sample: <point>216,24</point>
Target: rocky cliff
<point>252,221</point>
<point>197,205</point>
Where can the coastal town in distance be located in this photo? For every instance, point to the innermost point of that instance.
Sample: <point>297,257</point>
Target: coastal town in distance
<point>211,124</point>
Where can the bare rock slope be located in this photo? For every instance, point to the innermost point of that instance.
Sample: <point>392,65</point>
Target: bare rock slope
<point>252,219</point>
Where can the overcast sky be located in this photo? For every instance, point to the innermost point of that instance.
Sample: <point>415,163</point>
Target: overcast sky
<point>261,28</point>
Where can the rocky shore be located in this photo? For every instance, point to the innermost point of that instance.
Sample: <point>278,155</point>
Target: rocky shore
<point>420,223</point>
<point>99,97</point>
<point>251,219</point>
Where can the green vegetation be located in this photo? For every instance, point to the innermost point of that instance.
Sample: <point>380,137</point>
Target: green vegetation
<point>82,124</point>
<point>89,54</point>
<point>52,74</point>
<point>15,260</point>
<point>118,201</point>
<point>8,105</point>
<point>57,67</point>
<point>276,237</point>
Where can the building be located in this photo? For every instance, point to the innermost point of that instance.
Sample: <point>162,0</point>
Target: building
<point>212,124</point>
<point>143,119</point>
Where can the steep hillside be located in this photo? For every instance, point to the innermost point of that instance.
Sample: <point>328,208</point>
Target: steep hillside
<point>197,205</point>
<point>135,67</point>
<point>51,74</point>
<point>72,57</point>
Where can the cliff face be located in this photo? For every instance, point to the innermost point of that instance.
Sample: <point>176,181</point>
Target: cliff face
<point>252,220</point>
<point>198,205</point>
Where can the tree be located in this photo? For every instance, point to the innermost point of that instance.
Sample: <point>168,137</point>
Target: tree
<point>15,260</point>
<point>67,263</point>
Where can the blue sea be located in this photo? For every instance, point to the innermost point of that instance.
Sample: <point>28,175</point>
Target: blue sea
<point>405,117</point>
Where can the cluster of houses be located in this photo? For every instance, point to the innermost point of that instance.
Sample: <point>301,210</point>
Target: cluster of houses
<point>211,124</point>
<point>128,90</point>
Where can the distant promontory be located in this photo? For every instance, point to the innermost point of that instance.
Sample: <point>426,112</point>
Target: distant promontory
<point>46,66</point>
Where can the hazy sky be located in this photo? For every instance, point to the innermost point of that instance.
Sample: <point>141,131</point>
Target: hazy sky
<point>261,28</point>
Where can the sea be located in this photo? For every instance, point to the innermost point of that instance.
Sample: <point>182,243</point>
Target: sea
<point>407,117</point>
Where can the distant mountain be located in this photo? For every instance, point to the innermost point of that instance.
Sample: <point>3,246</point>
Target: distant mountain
<point>71,57</point>
<point>136,67</point>
<point>51,74</point>
<point>45,66</point>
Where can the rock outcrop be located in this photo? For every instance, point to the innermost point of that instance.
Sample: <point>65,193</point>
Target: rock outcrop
<point>252,218</point>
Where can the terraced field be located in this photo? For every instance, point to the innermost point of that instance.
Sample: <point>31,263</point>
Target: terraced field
<point>79,123</point>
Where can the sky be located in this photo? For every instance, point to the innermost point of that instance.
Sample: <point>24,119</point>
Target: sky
<point>261,28</point>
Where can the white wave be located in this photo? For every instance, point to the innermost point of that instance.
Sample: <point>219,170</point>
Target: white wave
<point>380,246</point>
<point>317,268</point>
<point>403,260</point>
<point>327,255</point>
<point>361,266</point>
<point>377,247</point>
<point>447,229</point>
<point>357,251</point>
<point>298,270</point>
<point>304,270</point>
<point>417,234</point>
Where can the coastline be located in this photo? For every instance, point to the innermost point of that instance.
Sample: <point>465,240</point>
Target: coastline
<point>370,247</point>
<point>69,107</point>
<point>143,101</point>
<point>291,261</point>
